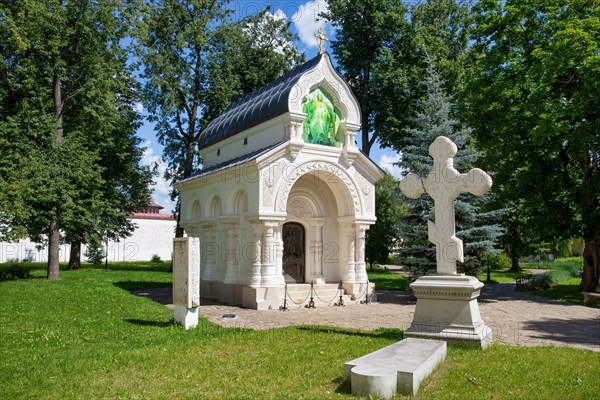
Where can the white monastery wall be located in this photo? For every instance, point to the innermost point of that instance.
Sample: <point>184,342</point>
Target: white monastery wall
<point>152,237</point>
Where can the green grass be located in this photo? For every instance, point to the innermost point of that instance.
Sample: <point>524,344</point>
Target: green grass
<point>501,276</point>
<point>562,280</point>
<point>87,337</point>
<point>568,263</point>
<point>385,279</point>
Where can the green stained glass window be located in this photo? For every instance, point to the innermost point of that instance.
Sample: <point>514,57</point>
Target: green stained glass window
<point>323,119</point>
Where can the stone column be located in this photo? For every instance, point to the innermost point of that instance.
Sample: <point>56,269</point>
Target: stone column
<point>316,273</point>
<point>255,278</point>
<point>232,260</point>
<point>359,266</point>
<point>279,254</point>
<point>269,275</point>
<point>349,275</point>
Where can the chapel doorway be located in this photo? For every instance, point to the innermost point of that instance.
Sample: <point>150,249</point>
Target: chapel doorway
<point>293,252</point>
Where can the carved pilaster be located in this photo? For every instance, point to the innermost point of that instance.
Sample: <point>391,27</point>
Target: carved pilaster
<point>359,266</point>
<point>210,248</point>
<point>268,275</point>
<point>349,275</point>
<point>255,278</point>
<point>231,254</point>
<point>279,254</point>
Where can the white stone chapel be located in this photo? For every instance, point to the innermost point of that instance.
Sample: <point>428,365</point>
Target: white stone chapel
<point>285,196</point>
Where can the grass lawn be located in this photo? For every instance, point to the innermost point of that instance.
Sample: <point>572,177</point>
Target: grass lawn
<point>87,337</point>
<point>385,279</point>
<point>501,276</point>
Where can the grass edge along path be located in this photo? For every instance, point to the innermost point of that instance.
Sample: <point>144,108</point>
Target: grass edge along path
<point>86,336</point>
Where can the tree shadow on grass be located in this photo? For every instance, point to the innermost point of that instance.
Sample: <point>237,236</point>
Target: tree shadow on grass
<point>380,333</point>
<point>131,286</point>
<point>159,324</point>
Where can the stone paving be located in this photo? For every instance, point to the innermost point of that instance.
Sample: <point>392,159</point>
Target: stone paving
<point>515,318</point>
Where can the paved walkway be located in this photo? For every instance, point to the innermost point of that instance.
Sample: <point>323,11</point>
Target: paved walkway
<point>515,318</point>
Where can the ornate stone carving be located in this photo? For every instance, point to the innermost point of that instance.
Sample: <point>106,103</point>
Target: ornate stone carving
<point>300,170</point>
<point>323,76</point>
<point>270,175</point>
<point>367,190</point>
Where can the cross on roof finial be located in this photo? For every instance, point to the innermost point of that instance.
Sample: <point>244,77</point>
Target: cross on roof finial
<point>443,184</point>
<point>321,38</point>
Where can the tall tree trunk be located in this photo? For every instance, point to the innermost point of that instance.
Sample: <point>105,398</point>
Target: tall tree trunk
<point>75,256</point>
<point>54,230</point>
<point>591,264</point>
<point>53,251</point>
<point>514,264</point>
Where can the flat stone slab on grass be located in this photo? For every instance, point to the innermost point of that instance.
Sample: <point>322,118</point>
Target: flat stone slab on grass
<point>398,368</point>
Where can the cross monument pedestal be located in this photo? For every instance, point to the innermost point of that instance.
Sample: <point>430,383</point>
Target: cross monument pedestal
<point>447,302</point>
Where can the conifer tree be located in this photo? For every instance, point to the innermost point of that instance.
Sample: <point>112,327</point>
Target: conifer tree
<point>474,226</point>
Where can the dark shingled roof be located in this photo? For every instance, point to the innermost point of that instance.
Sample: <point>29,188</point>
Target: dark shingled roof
<point>266,103</point>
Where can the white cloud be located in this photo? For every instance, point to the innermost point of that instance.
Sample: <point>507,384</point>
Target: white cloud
<point>307,21</point>
<point>138,107</point>
<point>279,15</point>
<point>161,189</point>
<point>386,162</point>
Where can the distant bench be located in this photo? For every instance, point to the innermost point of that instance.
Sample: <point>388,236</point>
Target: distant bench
<point>590,298</point>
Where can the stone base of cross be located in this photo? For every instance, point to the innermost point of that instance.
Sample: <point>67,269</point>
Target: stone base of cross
<point>444,183</point>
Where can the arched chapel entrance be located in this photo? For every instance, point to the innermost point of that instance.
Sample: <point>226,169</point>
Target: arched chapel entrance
<point>294,254</point>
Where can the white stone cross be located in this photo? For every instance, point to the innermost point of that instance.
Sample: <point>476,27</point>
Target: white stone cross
<point>444,184</point>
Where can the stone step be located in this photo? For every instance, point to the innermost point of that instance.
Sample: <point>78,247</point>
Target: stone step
<point>398,368</point>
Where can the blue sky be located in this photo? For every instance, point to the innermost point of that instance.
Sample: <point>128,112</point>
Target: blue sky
<point>303,16</point>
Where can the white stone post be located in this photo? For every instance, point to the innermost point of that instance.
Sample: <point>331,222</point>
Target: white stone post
<point>186,281</point>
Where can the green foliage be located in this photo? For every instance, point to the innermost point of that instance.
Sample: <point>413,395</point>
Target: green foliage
<point>155,258</point>
<point>195,63</point>
<point>67,126</point>
<point>389,207</point>
<point>496,262</point>
<point>9,272</point>
<point>94,252</point>
<point>533,101</point>
<point>559,271</point>
<point>373,47</point>
<point>475,226</point>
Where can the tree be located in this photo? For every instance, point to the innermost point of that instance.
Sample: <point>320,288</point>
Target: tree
<point>474,225</point>
<point>62,106</point>
<point>247,55</point>
<point>535,106</point>
<point>373,49</point>
<point>383,235</point>
<point>382,53</point>
<point>194,64</point>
